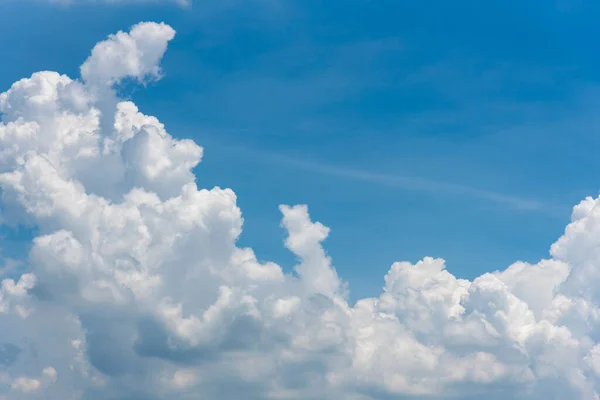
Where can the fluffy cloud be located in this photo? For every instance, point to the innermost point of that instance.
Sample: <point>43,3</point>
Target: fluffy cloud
<point>135,286</point>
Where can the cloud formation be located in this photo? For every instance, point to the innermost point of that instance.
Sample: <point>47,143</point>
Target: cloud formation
<point>135,286</point>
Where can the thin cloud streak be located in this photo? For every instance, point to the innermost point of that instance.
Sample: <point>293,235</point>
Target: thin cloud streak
<point>405,182</point>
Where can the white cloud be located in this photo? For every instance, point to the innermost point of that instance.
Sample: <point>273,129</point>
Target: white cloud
<point>24,384</point>
<point>136,288</point>
<point>135,54</point>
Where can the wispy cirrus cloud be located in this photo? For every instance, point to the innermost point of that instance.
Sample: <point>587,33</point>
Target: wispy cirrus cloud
<point>404,182</point>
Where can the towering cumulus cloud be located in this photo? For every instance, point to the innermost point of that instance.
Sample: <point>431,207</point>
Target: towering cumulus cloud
<point>134,287</point>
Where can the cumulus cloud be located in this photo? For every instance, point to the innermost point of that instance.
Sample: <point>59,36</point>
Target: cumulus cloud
<point>135,286</point>
<point>134,54</point>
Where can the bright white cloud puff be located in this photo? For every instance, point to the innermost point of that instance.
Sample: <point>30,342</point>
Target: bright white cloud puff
<point>135,287</point>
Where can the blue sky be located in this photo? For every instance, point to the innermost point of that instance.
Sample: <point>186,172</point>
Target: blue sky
<point>465,130</point>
